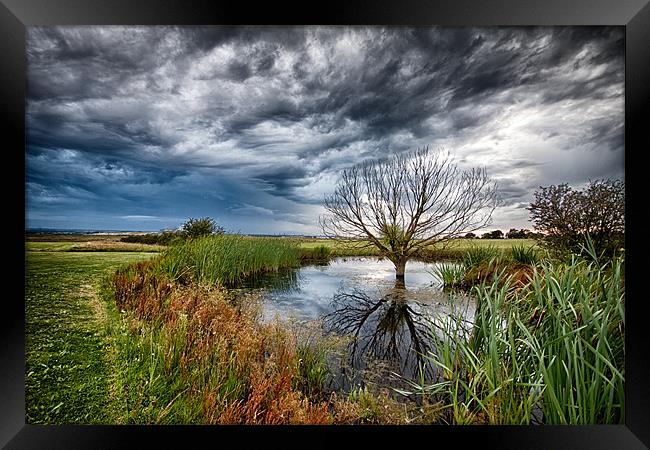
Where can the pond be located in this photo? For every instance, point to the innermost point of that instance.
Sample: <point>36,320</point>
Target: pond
<point>384,329</point>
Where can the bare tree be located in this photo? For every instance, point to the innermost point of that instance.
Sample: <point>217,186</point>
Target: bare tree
<point>407,202</point>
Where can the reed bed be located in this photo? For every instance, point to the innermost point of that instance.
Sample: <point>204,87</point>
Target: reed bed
<point>318,254</point>
<point>550,351</point>
<point>480,263</point>
<point>227,259</point>
<point>475,256</point>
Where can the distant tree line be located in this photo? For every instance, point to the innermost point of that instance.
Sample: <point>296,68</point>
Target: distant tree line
<point>191,229</point>
<point>512,234</point>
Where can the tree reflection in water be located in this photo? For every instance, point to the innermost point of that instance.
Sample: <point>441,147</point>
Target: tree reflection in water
<point>388,327</point>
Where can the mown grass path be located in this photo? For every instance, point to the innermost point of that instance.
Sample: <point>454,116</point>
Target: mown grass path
<point>68,363</point>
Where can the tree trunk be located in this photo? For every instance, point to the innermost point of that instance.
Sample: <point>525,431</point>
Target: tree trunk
<point>400,267</point>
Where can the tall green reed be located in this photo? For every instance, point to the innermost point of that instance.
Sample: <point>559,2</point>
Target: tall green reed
<point>227,259</point>
<point>578,316</point>
<point>553,347</point>
<point>478,254</point>
<point>450,273</point>
<point>524,255</point>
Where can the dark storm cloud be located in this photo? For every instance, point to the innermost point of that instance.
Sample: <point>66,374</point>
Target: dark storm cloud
<point>125,118</point>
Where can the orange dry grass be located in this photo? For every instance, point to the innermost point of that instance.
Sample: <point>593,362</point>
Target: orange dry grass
<point>221,343</point>
<point>519,274</point>
<point>273,401</point>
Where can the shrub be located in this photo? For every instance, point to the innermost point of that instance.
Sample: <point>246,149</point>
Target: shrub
<point>496,234</point>
<point>513,233</point>
<point>205,226</point>
<point>567,217</point>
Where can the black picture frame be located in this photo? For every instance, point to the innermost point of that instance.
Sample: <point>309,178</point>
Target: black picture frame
<point>16,14</point>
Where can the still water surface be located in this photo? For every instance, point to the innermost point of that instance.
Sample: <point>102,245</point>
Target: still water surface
<point>386,329</point>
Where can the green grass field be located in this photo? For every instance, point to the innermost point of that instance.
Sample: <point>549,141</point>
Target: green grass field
<point>68,367</point>
<point>339,248</point>
<point>452,247</point>
<point>455,243</point>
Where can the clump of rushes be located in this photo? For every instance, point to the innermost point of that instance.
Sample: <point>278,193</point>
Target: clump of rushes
<point>485,263</point>
<point>451,274</point>
<point>550,351</point>
<point>321,253</point>
<point>481,263</point>
<point>313,370</point>
<point>478,255</point>
<point>524,255</point>
<point>227,259</point>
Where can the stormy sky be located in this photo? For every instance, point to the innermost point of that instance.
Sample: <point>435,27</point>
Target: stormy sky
<point>139,128</point>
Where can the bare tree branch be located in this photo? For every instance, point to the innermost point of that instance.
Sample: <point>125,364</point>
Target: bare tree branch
<point>408,202</point>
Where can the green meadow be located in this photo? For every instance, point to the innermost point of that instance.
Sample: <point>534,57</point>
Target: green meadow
<point>68,356</point>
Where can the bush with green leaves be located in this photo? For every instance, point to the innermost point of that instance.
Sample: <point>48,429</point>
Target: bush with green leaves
<point>205,226</point>
<point>567,216</point>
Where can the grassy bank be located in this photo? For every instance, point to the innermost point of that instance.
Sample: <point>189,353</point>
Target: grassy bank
<point>188,355</point>
<point>90,246</point>
<point>67,370</point>
<point>165,353</point>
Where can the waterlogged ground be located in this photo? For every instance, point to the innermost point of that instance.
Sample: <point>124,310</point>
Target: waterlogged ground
<point>385,329</point>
